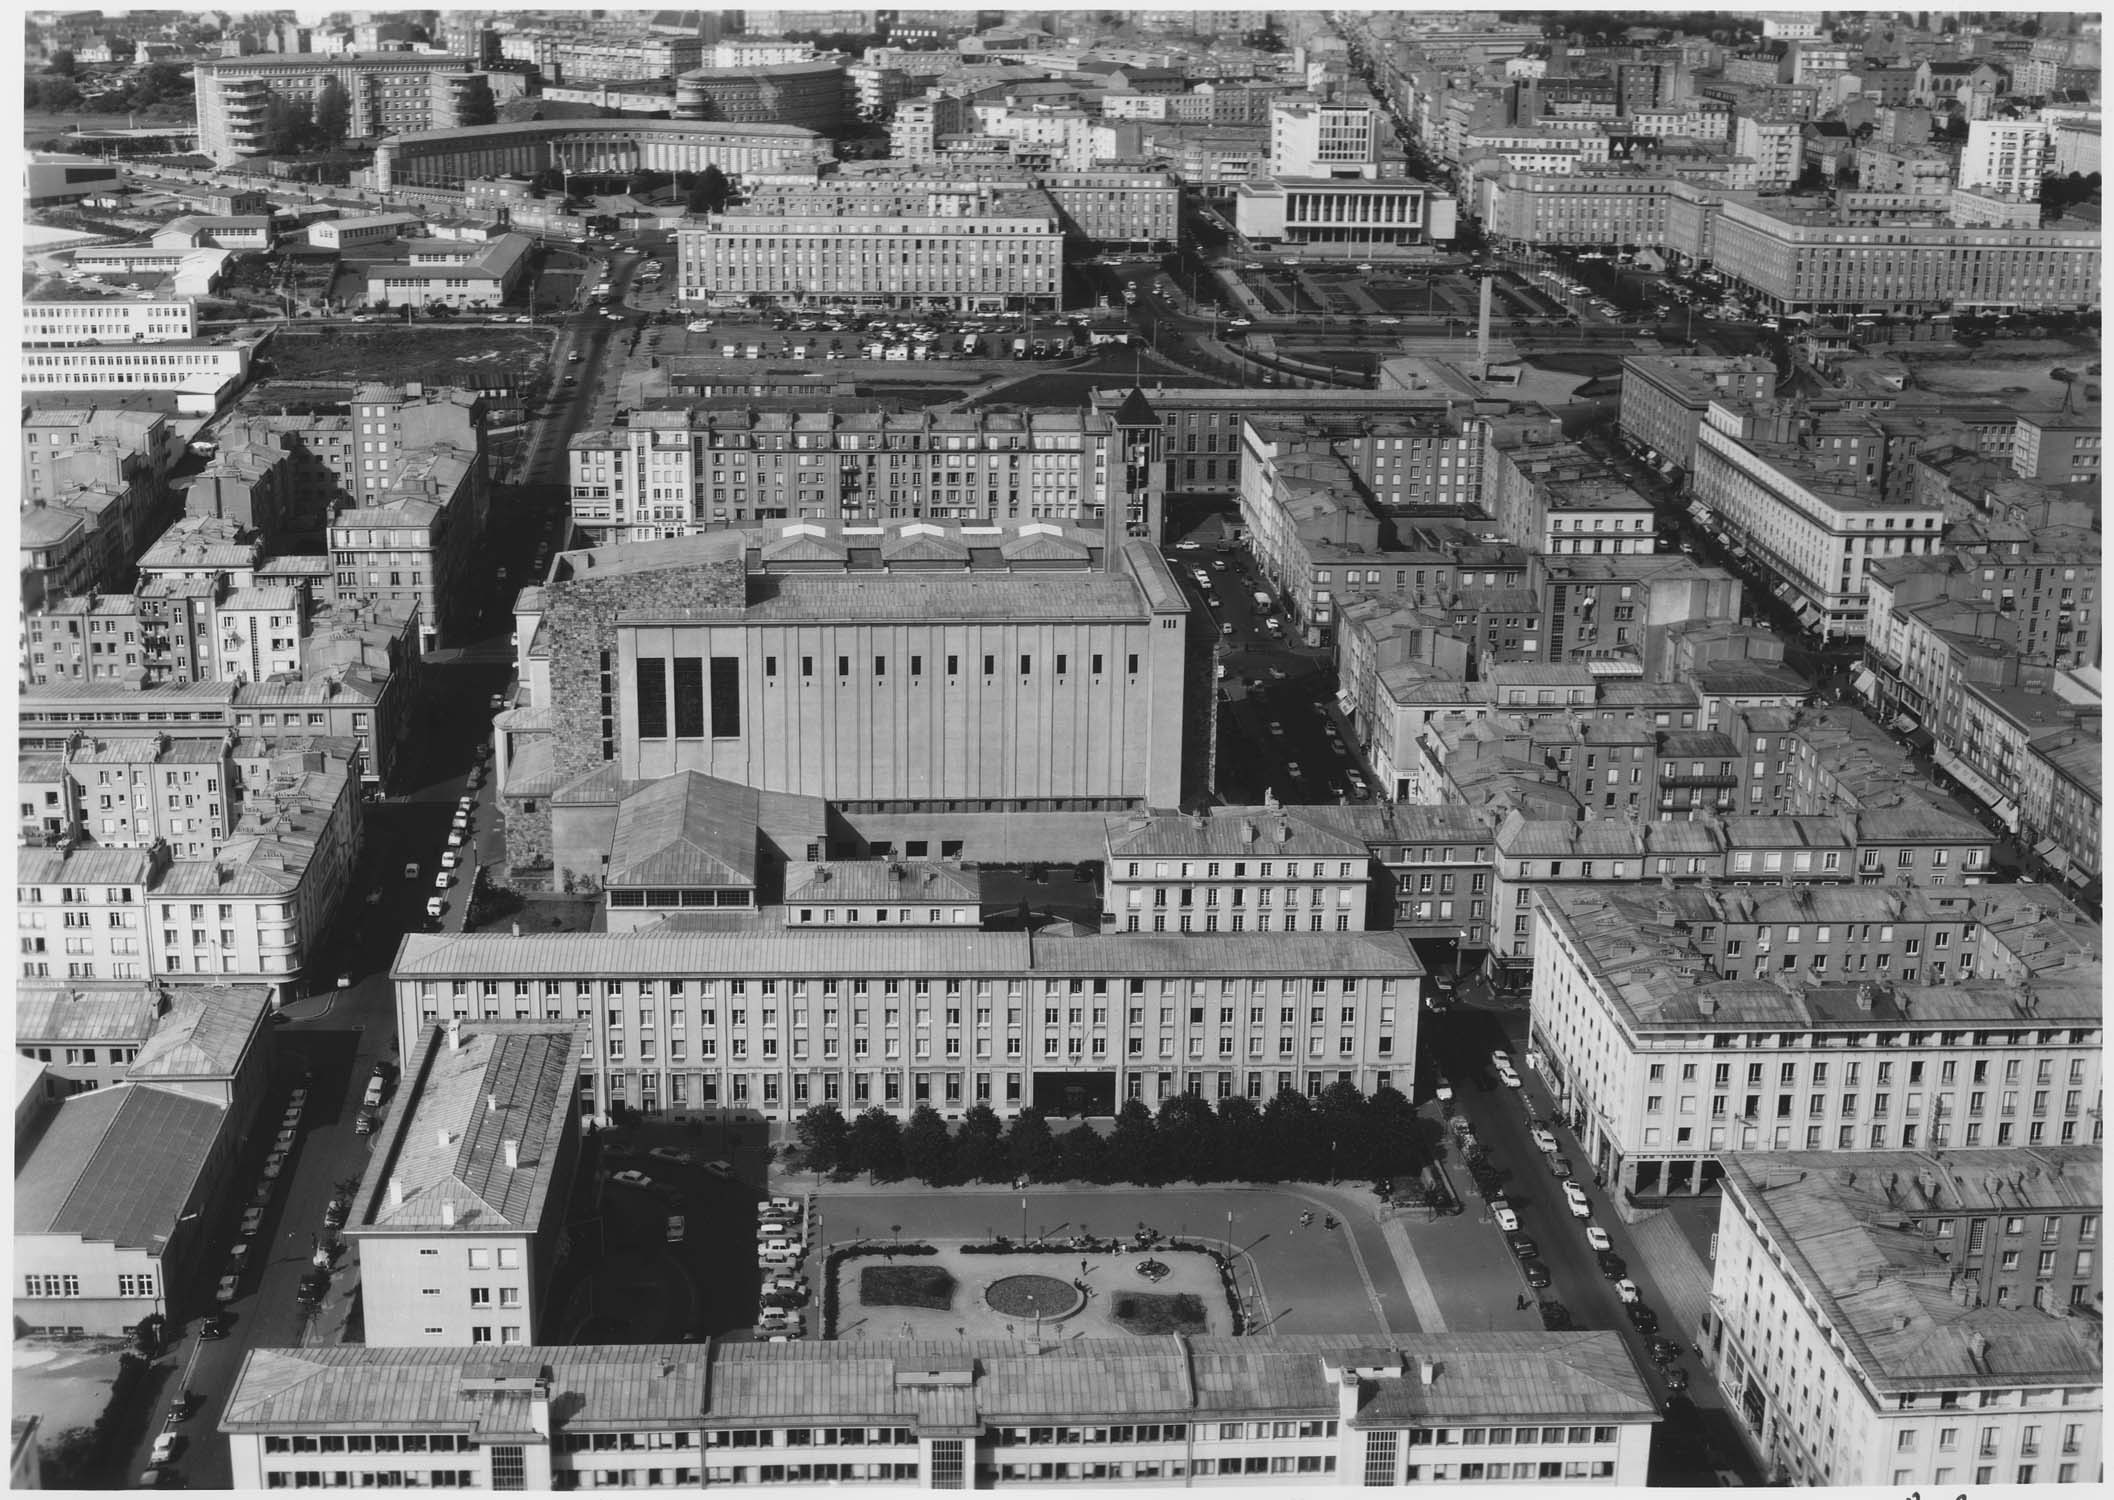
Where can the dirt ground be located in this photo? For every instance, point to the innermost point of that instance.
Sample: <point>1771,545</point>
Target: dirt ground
<point>65,1382</point>
<point>2000,377</point>
<point>970,1317</point>
<point>437,355</point>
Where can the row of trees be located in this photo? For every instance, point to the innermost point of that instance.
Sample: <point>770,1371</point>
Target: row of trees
<point>1342,1133</point>
<point>162,85</point>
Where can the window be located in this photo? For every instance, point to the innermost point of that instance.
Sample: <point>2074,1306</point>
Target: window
<point>651,678</point>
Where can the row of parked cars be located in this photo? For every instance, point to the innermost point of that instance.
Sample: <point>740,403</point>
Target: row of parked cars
<point>781,1245</point>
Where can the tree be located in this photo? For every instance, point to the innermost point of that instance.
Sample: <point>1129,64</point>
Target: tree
<point>710,195</point>
<point>1028,1144</point>
<point>288,122</point>
<point>333,113</point>
<point>1290,1140</point>
<point>928,1151</point>
<point>875,1145</point>
<point>50,96</point>
<point>1133,1146</point>
<point>1188,1140</point>
<point>979,1150</point>
<point>1082,1155</point>
<point>478,106</point>
<point>823,1133</point>
<point>1238,1138</point>
<point>62,63</point>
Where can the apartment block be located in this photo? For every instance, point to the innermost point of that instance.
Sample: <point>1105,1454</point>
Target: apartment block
<point>814,94</point>
<point>1236,869</point>
<point>1556,499</point>
<point>674,473</point>
<point>82,911</point>
<point>1855,1344</point>
<point>411,543</point>
<point>2008,156</point>
<point>746,1026</point>
<point>460,1216</point>
<point>102,321</point>
<point>1671,1063</point>
<point>1665,398</point>
<point>389,92</point>
<point>139,792</point>
<point>1817,526</point>
<point>1307,1408</point>
<point>423,160</point>
<point>974,249</point>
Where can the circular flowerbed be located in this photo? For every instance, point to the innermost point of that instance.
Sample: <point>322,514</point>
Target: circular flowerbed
<point>1030,1296</point>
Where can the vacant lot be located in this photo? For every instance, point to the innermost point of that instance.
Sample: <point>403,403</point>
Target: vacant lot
<point>438,355</point>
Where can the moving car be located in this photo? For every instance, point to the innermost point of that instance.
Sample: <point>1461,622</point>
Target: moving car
<point>669,1153</point>
<point>675,1229</point>
<point>632,1179</point>
<point>411,870</point>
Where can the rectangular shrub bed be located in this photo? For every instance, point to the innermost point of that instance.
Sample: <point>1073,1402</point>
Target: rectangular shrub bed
<point>906,1286</point>
<point>1156,1312</point>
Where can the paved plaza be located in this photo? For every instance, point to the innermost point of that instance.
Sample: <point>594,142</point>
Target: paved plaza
<point>1105,1278</point>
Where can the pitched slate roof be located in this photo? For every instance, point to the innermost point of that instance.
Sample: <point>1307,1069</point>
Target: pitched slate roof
<point>118,1165</point>
<point>686,830</point>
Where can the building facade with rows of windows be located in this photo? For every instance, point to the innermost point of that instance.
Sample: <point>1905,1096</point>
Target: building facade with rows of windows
<point>1669,1054</point>
<point>764,1026</point>
<point>1852,1340</point>
<point>1298,1409</point>
<point>1252,869</point>
<point>976,251</point>
<point>108,321</point>
<point>671,473</point>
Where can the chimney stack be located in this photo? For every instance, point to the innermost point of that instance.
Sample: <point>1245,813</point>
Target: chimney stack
<point>396,1192</point>
<point>1427,1367</point>
<point>455,1033</point>
<point>442,1136</point>
<point>491,1101</point>
<point>447,1215</point>
<point>511,1151</point>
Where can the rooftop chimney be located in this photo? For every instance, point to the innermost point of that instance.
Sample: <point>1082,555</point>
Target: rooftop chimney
<point>1249,832</point>
<point>491,1101</point>
<point>511,1151</point>
<point>447,1215</point>
<point>443,1137</point>
<point>455,1034</point>
<point>396,1192</point>
<point>1428,1368</point>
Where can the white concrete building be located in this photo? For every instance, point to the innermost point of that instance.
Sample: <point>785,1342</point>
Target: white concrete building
<point>108,321</point>
<point>1844,1351</point>
<point>1311,139</point>
<point>2010,156</point>
<point>460,1215</point>
<point>1273,1410</point>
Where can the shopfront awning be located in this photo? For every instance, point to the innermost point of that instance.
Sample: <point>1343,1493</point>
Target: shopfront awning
<point>1345,704</point>
<point>1906,723</point>
<point>1922,739</point>
<point>1865,683</point>
<point>1699,510</point>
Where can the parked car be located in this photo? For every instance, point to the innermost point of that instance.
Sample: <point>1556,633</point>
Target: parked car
<point>1509,1078</point>
<point>1580,1205</point>
<point>1502,1211</point>
<point>1543,1141</point>
<point>1626,1289</point>
<point>1522,1247</point>
<point>632,1179</point>
<point>1642,1318</point>
<point>364,1123</point>
<point>373,1096</point>
<point>1676,1378</point>
<point>228,1289</point>
<point>1612,1266</point>
<point>1664,1351</point>
<point>252,1221</point>
<point>1536,1273</point>
<point>669,1153</point>
<point>1500,1059</point>
<point>1560,1166</point>
<point>411,870</point>
<point>675,1229</point>
<point>213,1326</point>
<point>1597,1239</point>
<point>721,1169</point>
<point>435,905</point>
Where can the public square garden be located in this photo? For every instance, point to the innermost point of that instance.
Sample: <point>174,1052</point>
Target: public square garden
<point>1003,1289</point>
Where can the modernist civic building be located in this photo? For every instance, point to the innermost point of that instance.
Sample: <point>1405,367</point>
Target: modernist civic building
<point>934,673</point>
<point>1278,1409</point>
<point>447,159</point>
<point>765,1024</point>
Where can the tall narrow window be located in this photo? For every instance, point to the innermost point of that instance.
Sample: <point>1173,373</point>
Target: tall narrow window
<point>689,698</point>
<point>652,681</point>
<point>726,698</point>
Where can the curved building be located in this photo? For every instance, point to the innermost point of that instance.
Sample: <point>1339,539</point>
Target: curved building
<point>813,95</point>
<point>449,158</point>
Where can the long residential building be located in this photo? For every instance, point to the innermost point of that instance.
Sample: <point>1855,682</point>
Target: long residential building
<point>389,92</point>
<point>975,249</point>
<point>448,159</point>
<point>1282,1409</point>
<point>1842,1023</point>
<point>108,320</point>
<point>1851,1335</point>
<point>1818,527</point>
<point>197,376</point>
<point>672,473</point>
<point>765,1025</point>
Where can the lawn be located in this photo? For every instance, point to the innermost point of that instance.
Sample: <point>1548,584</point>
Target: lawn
<point>906,1286</point>
<point>436,355</point>
<point>1154,1312</point>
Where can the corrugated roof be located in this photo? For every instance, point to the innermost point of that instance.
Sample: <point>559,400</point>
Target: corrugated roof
<point>879,880</point>
<point>107,1013</point>
<point>1232,833</point>
<point>531,955</point>
<point>205,1033</point>
<point>117,1164</point>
